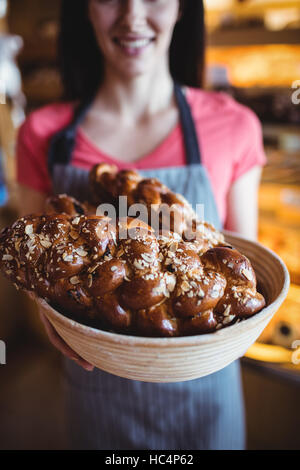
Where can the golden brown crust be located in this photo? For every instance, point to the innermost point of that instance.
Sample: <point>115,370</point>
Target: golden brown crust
<point>63,203</point>
<point>163,209</point>
<point>147,284</point>
<point>175,279</point>
<point>107,184</point>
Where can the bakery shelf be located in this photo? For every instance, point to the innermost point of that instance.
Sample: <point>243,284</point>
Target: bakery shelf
<point>285,372</point>
<point>253,36</point>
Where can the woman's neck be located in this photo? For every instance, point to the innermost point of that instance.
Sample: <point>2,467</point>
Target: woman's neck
<point>137,99</point>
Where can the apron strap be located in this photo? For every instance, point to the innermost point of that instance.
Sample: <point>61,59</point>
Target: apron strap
<point>63,142</point>
<point>192,149</point>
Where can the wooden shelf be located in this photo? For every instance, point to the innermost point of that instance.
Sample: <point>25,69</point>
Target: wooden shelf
<point>38,52</point>
<point>254,7</point>
<point>253,36</point>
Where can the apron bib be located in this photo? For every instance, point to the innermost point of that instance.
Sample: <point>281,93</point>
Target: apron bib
<point>108,412</point>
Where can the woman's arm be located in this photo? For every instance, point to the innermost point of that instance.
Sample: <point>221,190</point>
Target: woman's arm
<point>242,204</point>
<point>30,201</point>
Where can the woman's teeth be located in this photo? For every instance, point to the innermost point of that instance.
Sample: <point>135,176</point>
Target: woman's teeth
<point>135,43</point>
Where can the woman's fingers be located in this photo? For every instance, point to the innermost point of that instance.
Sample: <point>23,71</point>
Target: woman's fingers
<point>62,346</point>
<point>58,342</point>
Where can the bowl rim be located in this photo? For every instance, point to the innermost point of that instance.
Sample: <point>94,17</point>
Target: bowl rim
<point>193,340</point>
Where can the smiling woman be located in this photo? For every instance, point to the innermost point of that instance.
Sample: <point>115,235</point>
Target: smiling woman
<point>132,72</point>
<point>103,23</point>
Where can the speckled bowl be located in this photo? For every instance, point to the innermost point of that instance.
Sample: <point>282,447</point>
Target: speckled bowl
<point>184,358</point>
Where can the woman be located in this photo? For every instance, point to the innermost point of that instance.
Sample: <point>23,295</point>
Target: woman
<point>122,62</point>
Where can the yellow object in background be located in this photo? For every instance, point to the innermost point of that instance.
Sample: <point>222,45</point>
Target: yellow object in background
<point>269,353</point>
<point>258,65</point>
<point>280,200</point>
<point>289,209</point>
<point>284,329</point>
<point>279,224</point>
<point>7,142</point>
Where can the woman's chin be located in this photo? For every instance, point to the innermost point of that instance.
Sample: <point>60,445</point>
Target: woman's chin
<point>135,64</point>
<point>132,71</point>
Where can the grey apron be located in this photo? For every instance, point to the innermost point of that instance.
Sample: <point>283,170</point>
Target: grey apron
<point>112,413</point>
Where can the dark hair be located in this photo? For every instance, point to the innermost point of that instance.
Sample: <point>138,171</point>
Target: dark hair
<point>81,60</point>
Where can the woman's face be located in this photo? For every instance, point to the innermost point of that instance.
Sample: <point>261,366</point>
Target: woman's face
<point>134,35</point>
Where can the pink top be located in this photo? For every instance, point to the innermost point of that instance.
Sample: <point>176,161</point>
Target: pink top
<point>229,134</point>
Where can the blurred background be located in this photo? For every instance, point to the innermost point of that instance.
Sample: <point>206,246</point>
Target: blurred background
<point>253,54</point>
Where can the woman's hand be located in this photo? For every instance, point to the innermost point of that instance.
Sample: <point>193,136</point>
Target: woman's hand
<point>62,346</point>
<point>58,342</point>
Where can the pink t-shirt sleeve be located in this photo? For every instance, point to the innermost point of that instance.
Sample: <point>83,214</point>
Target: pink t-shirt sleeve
<point>248,146</point>
<point>33,144</point>
<point>31,159</point>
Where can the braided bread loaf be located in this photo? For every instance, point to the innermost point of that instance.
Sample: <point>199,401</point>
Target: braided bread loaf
<point>107,184</point>
<point>64,204</point>
<point>145,283</point>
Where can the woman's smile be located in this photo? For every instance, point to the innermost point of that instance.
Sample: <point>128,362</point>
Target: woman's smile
<point>133,47</point>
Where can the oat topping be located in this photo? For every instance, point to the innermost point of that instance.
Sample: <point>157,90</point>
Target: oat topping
<point>228,319</point>
<point>76,221</point>
<point>29,229</point>
<point>7,258</point>
<point>247,274</point>
<point>68,258</point>
<point>227,310</point>
<point>45,243</point>
<point>74,280</point>
<point>81,252</point>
